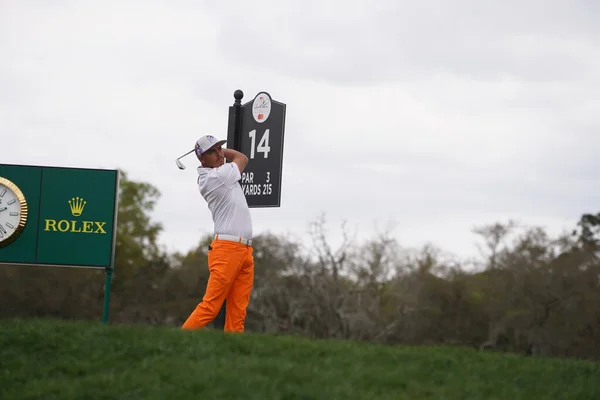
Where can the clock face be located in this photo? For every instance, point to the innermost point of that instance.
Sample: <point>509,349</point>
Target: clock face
<point>13,212</point>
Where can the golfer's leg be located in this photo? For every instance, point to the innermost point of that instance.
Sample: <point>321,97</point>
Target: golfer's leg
<point>238,297</point>
<point>219,283</point>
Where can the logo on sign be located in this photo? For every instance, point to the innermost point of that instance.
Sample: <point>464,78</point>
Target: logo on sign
<point>261,107</point>
<point>76,206</point>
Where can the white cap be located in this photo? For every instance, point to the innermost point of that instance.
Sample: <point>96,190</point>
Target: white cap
<point>205,143</point>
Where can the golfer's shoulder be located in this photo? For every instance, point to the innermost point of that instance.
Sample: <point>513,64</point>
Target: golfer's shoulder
<point>206,175</point>
<point>227,167</point>
<point>227,171</point>
<point>212,177</point>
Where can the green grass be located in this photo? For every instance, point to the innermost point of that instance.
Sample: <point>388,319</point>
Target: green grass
<point>46,359</point>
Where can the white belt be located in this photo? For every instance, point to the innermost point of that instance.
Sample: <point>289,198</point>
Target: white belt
<point>237,239</point>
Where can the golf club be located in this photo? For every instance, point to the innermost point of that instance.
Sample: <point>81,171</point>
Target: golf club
<point>179,163</point>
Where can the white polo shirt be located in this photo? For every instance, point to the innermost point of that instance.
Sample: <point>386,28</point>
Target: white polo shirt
<point>226,200</point>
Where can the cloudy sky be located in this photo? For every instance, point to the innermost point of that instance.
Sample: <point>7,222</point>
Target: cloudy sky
<point>438,116</point>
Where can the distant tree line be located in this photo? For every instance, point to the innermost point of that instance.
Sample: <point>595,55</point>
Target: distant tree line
<point>529,293</point>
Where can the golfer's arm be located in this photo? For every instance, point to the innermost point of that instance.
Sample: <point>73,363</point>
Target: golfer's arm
<point>235,156</point>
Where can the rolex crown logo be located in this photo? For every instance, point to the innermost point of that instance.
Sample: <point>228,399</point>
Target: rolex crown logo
<point>77,205</point>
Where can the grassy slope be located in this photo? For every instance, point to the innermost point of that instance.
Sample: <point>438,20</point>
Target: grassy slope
<point>82,360</point>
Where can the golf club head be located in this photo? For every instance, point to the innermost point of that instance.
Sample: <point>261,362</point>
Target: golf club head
<point>179,163</point>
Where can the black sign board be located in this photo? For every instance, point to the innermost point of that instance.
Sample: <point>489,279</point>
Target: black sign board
<point>257,130</point>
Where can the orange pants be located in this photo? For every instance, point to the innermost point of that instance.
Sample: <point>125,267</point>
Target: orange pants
<point>231,267</point>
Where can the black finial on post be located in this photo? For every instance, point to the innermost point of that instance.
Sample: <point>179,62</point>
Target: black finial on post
<point>237,95</point>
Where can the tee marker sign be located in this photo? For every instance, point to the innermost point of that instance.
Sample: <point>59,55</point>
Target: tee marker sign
<point>257,130</point>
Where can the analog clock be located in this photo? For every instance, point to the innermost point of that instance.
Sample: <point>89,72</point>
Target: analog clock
<point>13,212</point>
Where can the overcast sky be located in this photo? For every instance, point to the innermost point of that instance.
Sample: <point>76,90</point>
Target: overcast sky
<point>438,116</point>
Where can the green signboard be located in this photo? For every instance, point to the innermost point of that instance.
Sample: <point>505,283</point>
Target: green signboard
<point>58,216</point>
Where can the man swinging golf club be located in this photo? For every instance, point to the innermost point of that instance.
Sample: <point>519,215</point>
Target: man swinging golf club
<point>230,254</point>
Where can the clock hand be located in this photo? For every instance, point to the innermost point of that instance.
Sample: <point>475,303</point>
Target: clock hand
<point>2,209</point>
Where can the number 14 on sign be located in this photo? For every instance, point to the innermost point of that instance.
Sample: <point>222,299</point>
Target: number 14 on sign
<point>263,144</point>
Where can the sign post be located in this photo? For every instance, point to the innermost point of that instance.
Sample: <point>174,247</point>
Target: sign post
<point>67,218</point>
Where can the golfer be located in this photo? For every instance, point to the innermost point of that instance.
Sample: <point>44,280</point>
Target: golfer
<point>230,259</point>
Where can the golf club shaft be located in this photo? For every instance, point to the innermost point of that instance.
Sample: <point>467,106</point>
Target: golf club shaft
<point>186,154</point>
